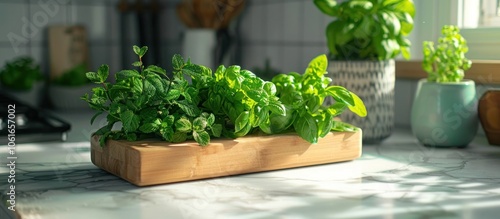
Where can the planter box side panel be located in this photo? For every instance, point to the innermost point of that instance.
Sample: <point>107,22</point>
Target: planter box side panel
<point>116,159</point>
<point>161,162</point>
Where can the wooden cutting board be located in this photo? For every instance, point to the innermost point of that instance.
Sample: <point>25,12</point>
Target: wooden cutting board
<point>144,163</point>
<point>68,47</point>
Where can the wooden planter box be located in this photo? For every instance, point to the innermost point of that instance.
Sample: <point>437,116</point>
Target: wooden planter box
<point>144,163</point>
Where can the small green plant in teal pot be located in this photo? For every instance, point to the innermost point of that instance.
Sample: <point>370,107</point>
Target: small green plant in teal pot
<point>444,111</point>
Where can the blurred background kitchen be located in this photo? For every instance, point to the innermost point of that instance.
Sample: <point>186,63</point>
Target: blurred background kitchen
<point>68,37</point>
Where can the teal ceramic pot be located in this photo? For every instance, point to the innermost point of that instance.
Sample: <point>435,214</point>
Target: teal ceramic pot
<point>445,114</point>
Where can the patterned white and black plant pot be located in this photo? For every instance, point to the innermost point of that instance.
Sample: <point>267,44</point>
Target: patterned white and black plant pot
<point>373,82</point>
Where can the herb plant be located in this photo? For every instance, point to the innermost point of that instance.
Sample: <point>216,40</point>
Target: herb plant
<point>20,74</point>
<point>303,96</point>
<point>149,104</point>
<point>231,102</point>
<point>73,77</point>
<point>446,62</point>
<point>368,29</point>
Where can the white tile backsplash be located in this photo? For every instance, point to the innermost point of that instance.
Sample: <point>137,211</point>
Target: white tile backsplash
<point>314,31</point>
<point>8,54</point>
<point>254,56</point>
<point>40,54</point>
<point>293,22</point>
<point>291,59</point>
<point>96,20</point>
<point>257,19</point>
<point>247,18</point>
<point>275,55</point>
<point>44,14</point>
<point>274,22</point>
<point>12,20</point>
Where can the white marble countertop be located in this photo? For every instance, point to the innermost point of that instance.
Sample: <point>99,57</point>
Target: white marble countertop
<point>396,179</point>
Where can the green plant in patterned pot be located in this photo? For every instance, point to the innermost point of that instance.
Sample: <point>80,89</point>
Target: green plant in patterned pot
<point>363,39</point>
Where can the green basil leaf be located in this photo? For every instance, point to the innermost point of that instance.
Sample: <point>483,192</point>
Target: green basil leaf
<point>167,133</point>
<point>177,62</point>
<point>199,124</point>
<point>358,107</point>
<point>137,64</point>
<point>216,130</point>
<point>270,88</point>
<point>130,121</point>
<point>266,127</point>
<point>137,50</point>
<point>149,89</point>
<point>325,125</point>
<point>253,94</point>
<point>156,69</point>
<point>131,137</point>
<point>125,74</point>
<point>202,137</point>
<point>142,51</point>
<point>280,123</point>
<point>277,108</point>
<point>192,70</point>
<point>103,73</point>
<point>220,72</point>
<point>173,94</point>
<point>336,108</point>
<point>307,128</point>
<point>317,66</point>
<point>243,131</point>
<point>211,119</point>
<point>188,108</point>
<point>343,127</point>
<point>341,94</point>
<point>260,115</point>
<point>242,121</point>
<point>92,76</point>
<point>327,6</point>
<point>169,119</point>
<point>179,137</point>
<point>361,5</point>
<point>183,125</point>
<point>148,114</point>
<point>148,127</point>
<point>156,82</point>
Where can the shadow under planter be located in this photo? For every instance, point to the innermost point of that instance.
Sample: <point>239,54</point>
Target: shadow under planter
<point>373,82</point>
<point>445,114</point>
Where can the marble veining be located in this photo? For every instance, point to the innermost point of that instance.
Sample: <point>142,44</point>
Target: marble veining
<point>395,179</point>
